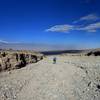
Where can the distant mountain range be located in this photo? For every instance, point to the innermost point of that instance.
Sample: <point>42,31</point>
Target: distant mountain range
<point>40,47</point>
<point>33,46</point>
<point>22,46</point>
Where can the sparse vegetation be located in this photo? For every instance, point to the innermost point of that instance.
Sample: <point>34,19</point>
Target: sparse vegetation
<point>95,52</point>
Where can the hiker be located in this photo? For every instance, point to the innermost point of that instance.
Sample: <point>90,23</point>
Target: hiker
<point>54,60</point>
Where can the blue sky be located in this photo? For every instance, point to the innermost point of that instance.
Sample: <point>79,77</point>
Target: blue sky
<point>54,22</point>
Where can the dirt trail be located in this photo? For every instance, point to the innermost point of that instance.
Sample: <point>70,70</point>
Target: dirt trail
<point>49,81</point>
<point>44,80</point>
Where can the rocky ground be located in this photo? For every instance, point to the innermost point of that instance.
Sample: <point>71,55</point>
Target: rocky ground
<point>15,59</point>
<point>71,78</point>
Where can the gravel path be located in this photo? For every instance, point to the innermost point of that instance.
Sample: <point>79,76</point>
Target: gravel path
<point>49,81</point>
<point>68,79</point>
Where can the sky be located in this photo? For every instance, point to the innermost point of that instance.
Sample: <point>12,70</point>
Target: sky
<point>70,23</point>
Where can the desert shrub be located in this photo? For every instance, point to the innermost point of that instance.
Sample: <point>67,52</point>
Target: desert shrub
<point>22,58</point>
<point>89,54</point>
<point>97,53</point>
<point>3,54</point>
<point>34,58</point>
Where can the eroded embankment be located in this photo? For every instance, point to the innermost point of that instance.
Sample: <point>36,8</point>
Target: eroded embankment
<point>17,59</point>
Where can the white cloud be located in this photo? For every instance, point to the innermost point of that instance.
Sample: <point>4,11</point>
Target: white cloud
<point>88,26</point>
<point>3,41</point>
<point>91,28</point>
<point>90,17</point>
<point>66,28</point>
<point>60,28</point>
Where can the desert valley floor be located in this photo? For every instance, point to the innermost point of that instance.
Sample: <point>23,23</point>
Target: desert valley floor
<point>71,78</point>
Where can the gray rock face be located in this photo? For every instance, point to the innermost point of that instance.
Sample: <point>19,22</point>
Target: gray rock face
<point>17,59</point>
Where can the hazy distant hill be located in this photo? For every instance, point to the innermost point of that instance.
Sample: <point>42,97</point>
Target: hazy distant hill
<point>61,52</point>
<point>33,46</point>
<point>94,52</point>
<point>25,46</point>
<point>44,48</point>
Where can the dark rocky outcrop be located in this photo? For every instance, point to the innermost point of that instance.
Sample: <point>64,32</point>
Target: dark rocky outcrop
<point>17,59</point>
<point>94,53</point>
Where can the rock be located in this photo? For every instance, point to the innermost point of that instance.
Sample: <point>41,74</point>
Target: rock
<point>98,86</point>
<point>95,52</point>
<point>17,59</point>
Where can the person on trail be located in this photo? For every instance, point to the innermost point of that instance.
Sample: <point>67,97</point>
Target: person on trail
<point>54,60</point>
